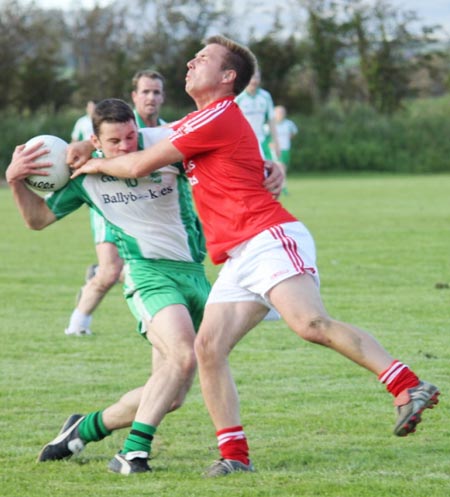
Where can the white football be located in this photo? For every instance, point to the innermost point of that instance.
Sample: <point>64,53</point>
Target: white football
<point>59,172</point>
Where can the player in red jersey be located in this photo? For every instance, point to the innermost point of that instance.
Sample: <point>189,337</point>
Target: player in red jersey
<point>268,255</point>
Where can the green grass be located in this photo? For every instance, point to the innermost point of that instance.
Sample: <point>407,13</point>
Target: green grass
<point>317,424</point>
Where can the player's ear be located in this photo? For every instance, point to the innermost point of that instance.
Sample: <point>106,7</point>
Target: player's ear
<point>96,142</point>
<point>229,75</point>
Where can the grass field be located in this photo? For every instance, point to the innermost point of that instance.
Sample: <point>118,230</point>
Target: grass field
<point>317,424</point>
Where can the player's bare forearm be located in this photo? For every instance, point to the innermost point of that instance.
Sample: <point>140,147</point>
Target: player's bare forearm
<point>134,164</point>
<point>31,206</point>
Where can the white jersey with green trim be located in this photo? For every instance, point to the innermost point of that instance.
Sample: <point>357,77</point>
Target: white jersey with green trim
<point>286,129</point>
<point>258,109</point>
<point>82,129</point>
<point>140,122</point>
<point>152,217</point>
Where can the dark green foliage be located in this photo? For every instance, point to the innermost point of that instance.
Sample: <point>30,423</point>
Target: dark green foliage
<point>51,58</point>
<point>16,130</point>
<point>383,61</point>
<point>326,41</point>
<point>358,139</point>
<point>279,61</point>
<point>412,141</point>
<point>365,59</point>
<point>31,61</point>
<point>102,48</point>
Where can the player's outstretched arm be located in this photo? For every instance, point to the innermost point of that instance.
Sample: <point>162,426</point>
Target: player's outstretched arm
<point>31,206</point>
<point>134,164</point>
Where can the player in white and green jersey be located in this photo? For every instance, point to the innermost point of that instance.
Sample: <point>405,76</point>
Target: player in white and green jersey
<point>257,106</point>
<point>286,130</point>
<point>148,97</point>
<point>82,129</point>
<point>160,239</point>
<point>151,218</point>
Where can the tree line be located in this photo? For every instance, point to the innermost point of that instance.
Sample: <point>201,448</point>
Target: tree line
<point>350,51</point>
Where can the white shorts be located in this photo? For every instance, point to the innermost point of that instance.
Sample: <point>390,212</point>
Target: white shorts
<point>257,265</point>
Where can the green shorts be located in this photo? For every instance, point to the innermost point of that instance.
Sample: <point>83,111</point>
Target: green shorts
<point>152,284</point>
<point>285,157</point>
<point>267,149</point>
<point>101,229</point>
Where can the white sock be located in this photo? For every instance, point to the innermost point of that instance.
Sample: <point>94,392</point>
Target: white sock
<point>78,322</point>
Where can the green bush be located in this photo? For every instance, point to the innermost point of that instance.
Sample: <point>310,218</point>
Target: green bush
<point>415,140</point>
<point>16,130</point>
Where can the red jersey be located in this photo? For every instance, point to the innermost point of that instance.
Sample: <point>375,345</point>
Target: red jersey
<point>223,162</point>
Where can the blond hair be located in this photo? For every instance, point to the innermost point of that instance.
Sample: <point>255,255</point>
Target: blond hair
<point>238,58</point>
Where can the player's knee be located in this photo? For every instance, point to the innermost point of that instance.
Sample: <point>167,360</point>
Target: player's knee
<point>202,348</point>
<point>208,350</point>
<point>182,362</point>
<point>188,364</point>
<point>106,277</point>
<point>315,329</point>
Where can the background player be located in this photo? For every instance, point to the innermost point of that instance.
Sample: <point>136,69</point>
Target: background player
<point>148,97</point>
<point>257,106</point>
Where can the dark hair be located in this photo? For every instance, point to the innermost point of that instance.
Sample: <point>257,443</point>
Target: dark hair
<point>111,110</point>
<point>146,73</point>
<point>238,58</point>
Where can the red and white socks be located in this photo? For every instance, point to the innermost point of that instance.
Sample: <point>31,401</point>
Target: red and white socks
<point>232,441</point>
<point>397,378</point>
<point>232,444</point>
